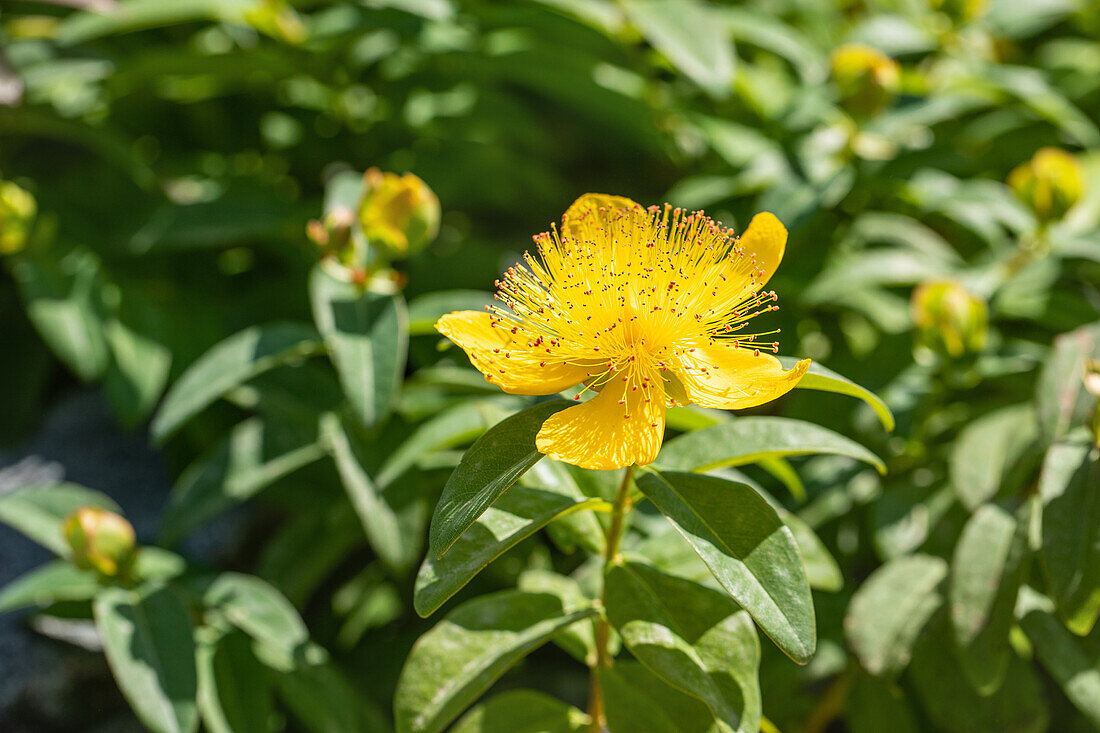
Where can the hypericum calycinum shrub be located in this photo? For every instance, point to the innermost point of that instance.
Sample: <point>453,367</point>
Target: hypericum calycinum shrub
<point>646,311</point>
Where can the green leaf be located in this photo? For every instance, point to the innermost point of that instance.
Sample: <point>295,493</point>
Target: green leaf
<point>451,665</point>
<point>234,688</point>
<point>378,518</point>
<point>254,455</point>
<point>822,570</point>
<point>953,706</point>
<point>747,547</point>
<point>1061,654</point>
<point>691,636</point>
<point>425,310</point>
<point>453,427</point>
<point>746,440</point>
<point>38,511</point>
<point>57,580</point>
<point>691,36</point>
<point>988,456</point>
<point>888,612</point>
<point>1071,530</point>
<point>826,380</point>
<point>1060,395</point>
<point>513,517</point>
<point>367,337</point>
<point>875,703</point>
<point>638,700</point>
<point>323,698</point>
<point>63,303</point>
<point>227,365</point>
<point>986,572</point>
<point>148,641</point>
<point>492,464</point>
<point>523,711</point>
<point>573,529</point>
<point>258,609</point>
<point>579,640</point>
<point>137,373</point>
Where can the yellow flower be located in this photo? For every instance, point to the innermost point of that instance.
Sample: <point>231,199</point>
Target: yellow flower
<point>646,307</point>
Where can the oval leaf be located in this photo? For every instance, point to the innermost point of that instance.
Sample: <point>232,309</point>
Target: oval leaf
<point>488,468</point>
<point>148,641</point>
<point>693,637</point>
<point>1071,530</point>
<point>58,580</point>
<point>253,456</point>
<point>889,610</point>
<point>751,439</point>
<point>367,337</point>
<point>523,711</point>
<point>451,665</point>
<point>986,573</point>
<point>747,548</point>
<point>513,517</point>
<point>378,518</point>
<point>258,609</point>
<point>826,380</point>
<point>990,452</point>
<point>228,364</point>
<point>38,511</point>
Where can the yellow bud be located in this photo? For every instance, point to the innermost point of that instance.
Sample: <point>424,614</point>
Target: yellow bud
<point>17,211</point>
<point>866,77</point>
<point>1050,183</point>
<point>100,540</point>
<point>949,318</point>
<point>399,214</point>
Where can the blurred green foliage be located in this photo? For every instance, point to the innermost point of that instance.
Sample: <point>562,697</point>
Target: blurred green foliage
<point>175,151</point>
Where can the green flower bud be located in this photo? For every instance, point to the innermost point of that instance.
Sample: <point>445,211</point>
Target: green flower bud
<point>100,540</point>
<point>399,214</point>
<point>867,78</point>
<point>1050,183</point>
<point>949,318</point>
<point>17,211</point>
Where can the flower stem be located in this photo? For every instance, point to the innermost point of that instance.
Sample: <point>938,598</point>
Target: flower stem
<point>619,510</point>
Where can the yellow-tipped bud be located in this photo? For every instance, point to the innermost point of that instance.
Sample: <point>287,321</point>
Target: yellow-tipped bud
<point>100,540</point>
<point>17,212</point>
<point>866,77</point>
<point>399,214</point>
<point>1050,183</point>
<point>949,318</point>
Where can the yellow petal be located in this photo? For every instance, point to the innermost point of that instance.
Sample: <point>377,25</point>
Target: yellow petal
<point>602,433</point>
<point>592,210</point>
<point>505,358</point>
<point>732,378</point>
<point>764,241</point>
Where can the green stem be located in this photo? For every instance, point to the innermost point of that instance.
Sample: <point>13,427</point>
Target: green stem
<point>619,510</point>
